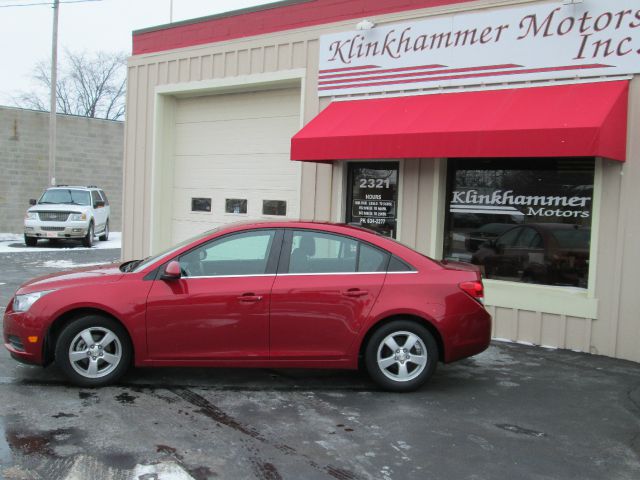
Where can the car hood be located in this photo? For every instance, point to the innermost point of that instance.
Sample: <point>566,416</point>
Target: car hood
<point>87,275</point>
<point>59,207</point>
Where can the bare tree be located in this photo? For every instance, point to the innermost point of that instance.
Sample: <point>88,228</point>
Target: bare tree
<point>88,85</point>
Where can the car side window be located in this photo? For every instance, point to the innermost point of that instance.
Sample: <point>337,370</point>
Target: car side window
<point>316,252</point>
<point>104,197</point>
<point>509,239</point>
<point>526,237</point>
<point>95,197</point>
<point>371,259</point>
<point>237,254</point>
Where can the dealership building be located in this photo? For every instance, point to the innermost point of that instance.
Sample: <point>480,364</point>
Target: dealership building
<point>502,133</point>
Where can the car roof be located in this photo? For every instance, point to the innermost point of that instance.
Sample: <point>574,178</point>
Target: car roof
<point>77,187</point>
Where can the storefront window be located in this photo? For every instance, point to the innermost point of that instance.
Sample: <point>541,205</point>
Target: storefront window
<point>522,220</point>
<point>373,196</point>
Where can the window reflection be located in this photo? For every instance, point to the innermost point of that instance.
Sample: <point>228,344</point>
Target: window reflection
<point>522,224</point>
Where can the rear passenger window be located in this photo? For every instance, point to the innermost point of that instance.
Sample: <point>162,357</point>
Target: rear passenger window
<point>95,198</point>
<point>397,265</point>
<point>371,259</point>
<point>104,197</point>
<point>315,252</point>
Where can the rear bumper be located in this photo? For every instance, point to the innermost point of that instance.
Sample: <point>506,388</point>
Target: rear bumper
<point>472,336</point>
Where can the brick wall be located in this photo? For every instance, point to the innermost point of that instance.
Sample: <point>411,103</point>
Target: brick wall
<point>89,152</point>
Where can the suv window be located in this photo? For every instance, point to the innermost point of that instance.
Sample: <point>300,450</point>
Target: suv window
<point>95,197</point>
<point>66,196</point>
<point>239,254</point>
<point>104,198</point>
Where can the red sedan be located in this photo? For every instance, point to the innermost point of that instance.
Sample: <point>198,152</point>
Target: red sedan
<point>276,295</point>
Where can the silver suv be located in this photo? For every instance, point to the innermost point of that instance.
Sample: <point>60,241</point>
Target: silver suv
<point>68,212</point>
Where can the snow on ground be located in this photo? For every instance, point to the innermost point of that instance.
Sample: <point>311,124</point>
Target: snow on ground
<point>9,244</point>
<point>62,264</point>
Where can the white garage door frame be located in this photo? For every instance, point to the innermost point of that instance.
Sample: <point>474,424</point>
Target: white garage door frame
<point>163,155</point>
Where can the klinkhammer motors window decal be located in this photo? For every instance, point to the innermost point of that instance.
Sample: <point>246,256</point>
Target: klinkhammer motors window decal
<point>550,40</point>
<point>500,202</point>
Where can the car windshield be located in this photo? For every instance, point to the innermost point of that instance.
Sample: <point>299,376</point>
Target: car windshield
<point>167,253</point>
<point>66,196</point>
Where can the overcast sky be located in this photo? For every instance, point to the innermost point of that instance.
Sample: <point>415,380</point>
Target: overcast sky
<point>104,25</point>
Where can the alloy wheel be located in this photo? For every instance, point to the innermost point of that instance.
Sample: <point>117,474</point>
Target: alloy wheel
<point>95,352</point>
<point>402,356</point>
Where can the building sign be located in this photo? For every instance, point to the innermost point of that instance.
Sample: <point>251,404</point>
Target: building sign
<point>373,196</point>
<point>533,42</point>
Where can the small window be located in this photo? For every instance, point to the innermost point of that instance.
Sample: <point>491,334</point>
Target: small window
<point>397,265</point>
<point>104,197</point>
<point>371,259</point>
<point>235,205</point>
<point>200,204</point>
<point>316,252</point>
<point>274,207</point>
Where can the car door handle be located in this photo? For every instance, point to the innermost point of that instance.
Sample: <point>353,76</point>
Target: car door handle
<point>250,297</point>
<point>355,292</point>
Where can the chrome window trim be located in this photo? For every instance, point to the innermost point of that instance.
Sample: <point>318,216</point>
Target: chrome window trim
<point>230,276</point>
<point>298,274</point>
<point>341,273</point>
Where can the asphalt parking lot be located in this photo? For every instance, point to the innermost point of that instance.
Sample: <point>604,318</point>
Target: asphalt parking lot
<point>511,412</point>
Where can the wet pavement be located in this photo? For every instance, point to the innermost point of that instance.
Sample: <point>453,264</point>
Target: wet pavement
<point>512,412</point>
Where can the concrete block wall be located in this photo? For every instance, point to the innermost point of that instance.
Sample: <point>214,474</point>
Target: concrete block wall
<point>89,152</point>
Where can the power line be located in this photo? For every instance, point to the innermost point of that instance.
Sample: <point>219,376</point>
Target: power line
<point>46,3</point>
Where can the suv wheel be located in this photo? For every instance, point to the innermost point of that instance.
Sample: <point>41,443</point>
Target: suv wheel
<point>401,356</point>
<point>88,240</point>
<point>105,235</point>
<point>93,351</point>
<point>30,241</point>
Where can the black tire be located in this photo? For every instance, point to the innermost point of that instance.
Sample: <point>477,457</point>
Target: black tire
<point>105,235</point>
<point>416,374</point>
<point>30,241</point>
<point>87,241</point>
<point>108,372</point>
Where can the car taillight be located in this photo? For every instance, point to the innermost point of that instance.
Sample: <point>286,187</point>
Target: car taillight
<point>474,289</point>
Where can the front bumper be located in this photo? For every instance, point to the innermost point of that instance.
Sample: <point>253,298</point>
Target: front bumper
<point>39,229</point>
<point>20,329</point>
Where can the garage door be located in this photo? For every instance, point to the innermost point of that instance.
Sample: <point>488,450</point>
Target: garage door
<point>232,160</point>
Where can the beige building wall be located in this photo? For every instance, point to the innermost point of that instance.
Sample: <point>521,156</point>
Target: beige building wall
<point>605,319</point>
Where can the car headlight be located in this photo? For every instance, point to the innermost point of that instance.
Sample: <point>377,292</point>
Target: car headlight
<point>22,303</point>
<point>77,217</point>
<point>31,216</point>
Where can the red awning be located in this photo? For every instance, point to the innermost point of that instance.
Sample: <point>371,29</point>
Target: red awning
<point>581,120</point>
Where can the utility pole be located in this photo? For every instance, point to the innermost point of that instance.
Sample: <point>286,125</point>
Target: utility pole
<point>54,92</point>
<point>170,11</point>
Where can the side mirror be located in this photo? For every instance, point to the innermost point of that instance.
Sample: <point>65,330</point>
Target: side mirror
<point>33,202</point>
<point>98,204</point>
<point>172,271</point>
